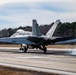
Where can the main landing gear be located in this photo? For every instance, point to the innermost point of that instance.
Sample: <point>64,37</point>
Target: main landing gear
<point>43,48</point>
<point>23,49</point>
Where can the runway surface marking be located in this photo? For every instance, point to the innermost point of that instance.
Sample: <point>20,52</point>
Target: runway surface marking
<point>39,69</point>
<point>31,57</point>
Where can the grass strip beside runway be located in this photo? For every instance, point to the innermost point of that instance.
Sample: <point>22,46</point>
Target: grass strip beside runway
<point>15,71</point>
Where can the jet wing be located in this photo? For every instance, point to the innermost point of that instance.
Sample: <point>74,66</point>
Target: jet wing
<point>37,41</point>
<point>18,40</point>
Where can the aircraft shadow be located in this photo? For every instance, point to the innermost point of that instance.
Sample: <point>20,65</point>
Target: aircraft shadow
<point>52,52</point>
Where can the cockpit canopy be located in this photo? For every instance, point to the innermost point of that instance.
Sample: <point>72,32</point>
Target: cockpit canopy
<point>21,33</point>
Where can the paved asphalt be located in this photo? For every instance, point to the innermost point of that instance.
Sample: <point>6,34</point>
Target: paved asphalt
<point>54,61</point>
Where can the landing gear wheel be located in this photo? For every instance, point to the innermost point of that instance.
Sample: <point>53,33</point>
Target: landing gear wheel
<point>24,50</point>
<point>45,49</point>
<point>21,49</point>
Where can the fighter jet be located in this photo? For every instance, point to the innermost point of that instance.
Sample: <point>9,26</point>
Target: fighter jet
<point>34,39</point>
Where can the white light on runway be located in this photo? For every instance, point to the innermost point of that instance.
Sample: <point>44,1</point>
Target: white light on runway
<point>73,52</point>
<point>20,51</point>
<point>30,57</point>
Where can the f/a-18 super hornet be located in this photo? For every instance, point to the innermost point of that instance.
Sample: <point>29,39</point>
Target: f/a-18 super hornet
<point>35,39</point>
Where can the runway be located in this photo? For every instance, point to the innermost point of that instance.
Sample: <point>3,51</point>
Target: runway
<point>54,61</point>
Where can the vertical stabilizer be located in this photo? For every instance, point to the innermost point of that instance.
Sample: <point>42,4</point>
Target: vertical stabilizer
<point>35,29</point>
<point>53,28</point>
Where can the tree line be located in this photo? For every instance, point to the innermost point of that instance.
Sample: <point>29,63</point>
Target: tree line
<point>63,29</point>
